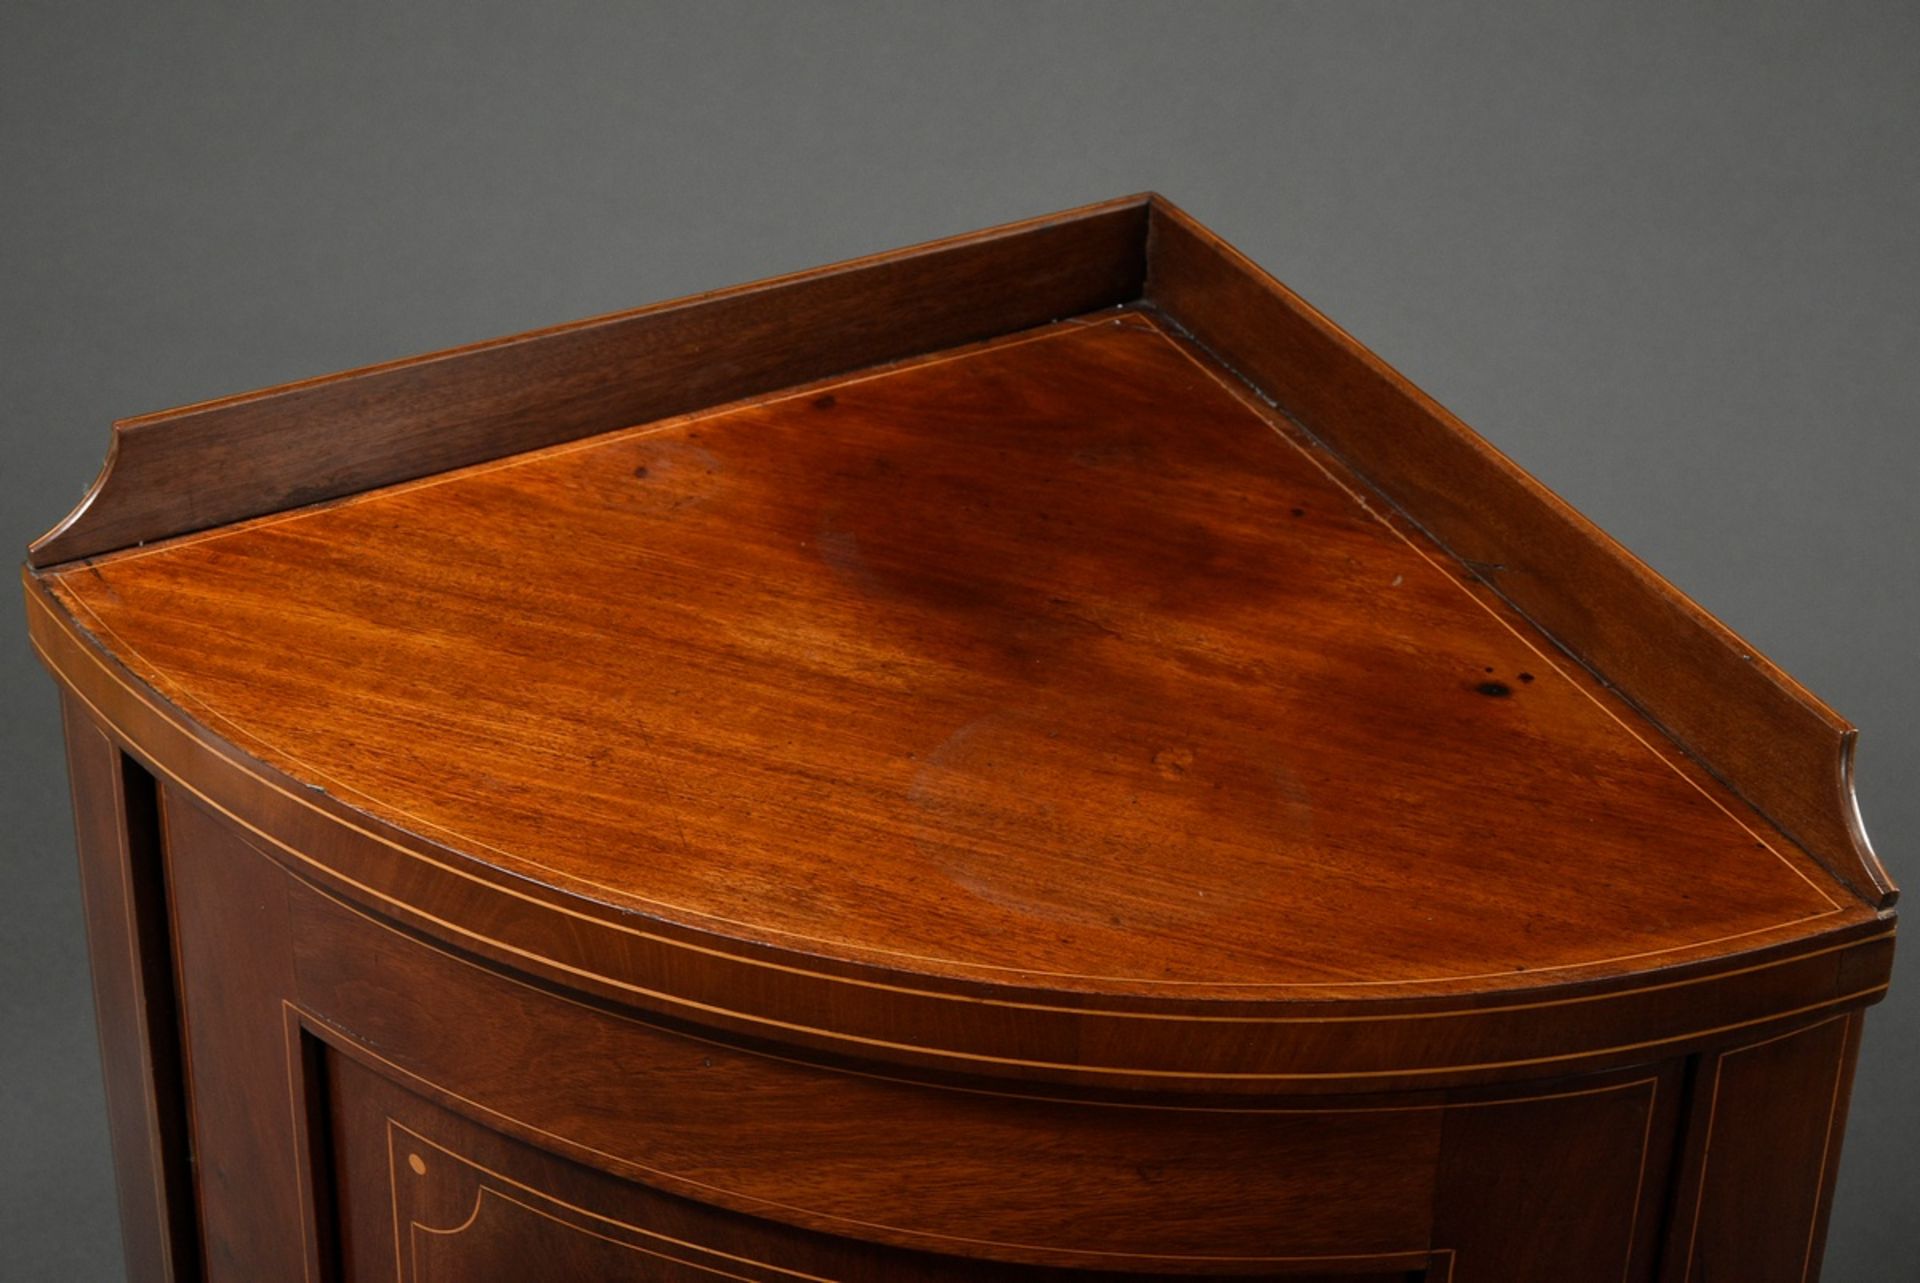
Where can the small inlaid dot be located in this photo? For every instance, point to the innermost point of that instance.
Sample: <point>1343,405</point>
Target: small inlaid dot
<point>418,1164</point>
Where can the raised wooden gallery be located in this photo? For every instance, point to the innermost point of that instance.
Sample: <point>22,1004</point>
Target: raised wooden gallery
<point>1031,757</point>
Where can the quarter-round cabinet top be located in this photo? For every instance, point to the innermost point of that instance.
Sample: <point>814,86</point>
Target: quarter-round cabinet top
<point>1127,687</point>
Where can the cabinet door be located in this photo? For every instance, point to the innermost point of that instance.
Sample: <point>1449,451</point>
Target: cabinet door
<point>614,1114</point>
<point>1566,1185</point>
<point>1763,1145</point>
<point>429,1196</point>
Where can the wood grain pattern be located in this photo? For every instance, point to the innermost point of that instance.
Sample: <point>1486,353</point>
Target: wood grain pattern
<point>1034,758</point>
<point>1103,726</point>
<point>1753,1204</point>
<point>1775,743</point>
<point>252,1219</point>
<point>123,889</point>
<point>613,1131</point>
<point>963,1172</point>
<point>1321,1045</point>
<point>474,1204</point>
<point>1565,1187</point>
<point>210,464</point>
<point>1771,739</point>
<point>1053,662</point>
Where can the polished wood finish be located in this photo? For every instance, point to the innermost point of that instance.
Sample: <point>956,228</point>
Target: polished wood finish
<point>1773,1113</point>
<point>123,890</point>
<point>210,464</point>
<point>474,1205</point>
<point>1033,757</point>
<point>1050,697</point>
<point>232,982</point>
<point>1766,736</point>
<point>1047,1181</point>
<point>1080,653</point>
<point>1567,1186</point>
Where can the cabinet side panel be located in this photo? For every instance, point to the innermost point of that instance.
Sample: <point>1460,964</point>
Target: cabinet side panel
<point>245,1087</point>
<point>124,894</point>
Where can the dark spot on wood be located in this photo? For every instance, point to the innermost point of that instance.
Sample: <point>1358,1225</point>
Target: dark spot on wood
<point>1495,690</point>
<point>1487,669</point>
<point>1173,762</point>
<point>1526,677</point>
<point>825,401</point>
<point>641,472</point>
<point>1299,512</point>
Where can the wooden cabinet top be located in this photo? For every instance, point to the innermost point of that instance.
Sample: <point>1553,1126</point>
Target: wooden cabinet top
<point>1062,619</point>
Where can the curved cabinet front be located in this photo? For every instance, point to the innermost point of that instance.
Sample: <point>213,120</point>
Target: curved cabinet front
<point>364,1102</point>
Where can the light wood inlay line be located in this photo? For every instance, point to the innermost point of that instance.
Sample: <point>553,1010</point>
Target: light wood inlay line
<point>484,1191</point>
<point>1826,1151</point>
<point>1640,1177</point>
<point>1706,1151</point>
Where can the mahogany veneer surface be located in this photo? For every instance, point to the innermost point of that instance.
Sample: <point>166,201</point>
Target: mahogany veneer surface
<point>1033,757</point>
<point>1054,657</point>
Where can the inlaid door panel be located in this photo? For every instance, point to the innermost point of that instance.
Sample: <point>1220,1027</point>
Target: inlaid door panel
<point>1768,1121</point>
<point>973,1170</point>
<point>1567,1186</point>
<point>371,1106</point>
<point>427,1196</point>
<point>456,1222</point>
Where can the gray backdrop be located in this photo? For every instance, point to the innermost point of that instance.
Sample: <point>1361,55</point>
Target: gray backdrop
<point>1666,256</point>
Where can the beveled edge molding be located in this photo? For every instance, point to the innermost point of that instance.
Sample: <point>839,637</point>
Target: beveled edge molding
<point>1764,736</point>
<point>222,461</point>
<point>872,1013</point>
